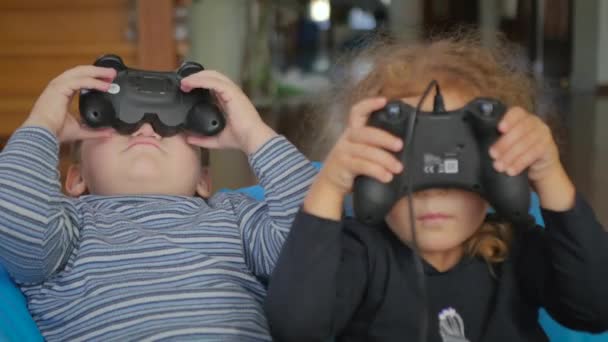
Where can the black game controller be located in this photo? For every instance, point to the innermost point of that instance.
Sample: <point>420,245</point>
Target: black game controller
<point>138,96</point>
<point>449,150</point>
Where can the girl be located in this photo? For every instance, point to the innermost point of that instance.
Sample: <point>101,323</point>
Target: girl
<point>485,280</point>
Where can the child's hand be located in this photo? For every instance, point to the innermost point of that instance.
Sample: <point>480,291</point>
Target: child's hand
<point>244,129</point>
<point>361,150</point>
<point>51,109</point>
<point>527,143</point>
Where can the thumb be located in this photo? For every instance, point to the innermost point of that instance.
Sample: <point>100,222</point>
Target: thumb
<point>72,130</point>
<point>361,111</point>
<point>203,141</point>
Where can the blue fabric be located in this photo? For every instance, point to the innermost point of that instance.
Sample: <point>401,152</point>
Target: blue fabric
<point>17,325</point>
<point>559,333</point>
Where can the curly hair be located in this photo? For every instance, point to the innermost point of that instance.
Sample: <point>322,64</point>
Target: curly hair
<point>458,62</point>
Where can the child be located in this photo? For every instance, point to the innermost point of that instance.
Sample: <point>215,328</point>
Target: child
<point>143,255</point>
<point>485,280</point>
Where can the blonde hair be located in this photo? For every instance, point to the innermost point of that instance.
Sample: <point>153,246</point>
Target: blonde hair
<point>458,63</point>
<point>490,242</point>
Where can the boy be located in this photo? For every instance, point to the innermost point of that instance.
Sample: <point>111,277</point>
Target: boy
<point>134,253</point>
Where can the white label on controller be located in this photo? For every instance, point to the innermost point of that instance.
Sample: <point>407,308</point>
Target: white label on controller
<point>436,165</point>
<point>431,163</point>
<point>450,165</point>
<point>114,89</point>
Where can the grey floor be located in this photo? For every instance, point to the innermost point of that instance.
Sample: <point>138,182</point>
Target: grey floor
<point>585,152</point>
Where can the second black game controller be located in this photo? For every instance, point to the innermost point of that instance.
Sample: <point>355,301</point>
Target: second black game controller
<point>448,150</point>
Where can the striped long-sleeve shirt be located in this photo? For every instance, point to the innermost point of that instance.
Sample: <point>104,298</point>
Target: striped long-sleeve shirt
<point>143,267</point>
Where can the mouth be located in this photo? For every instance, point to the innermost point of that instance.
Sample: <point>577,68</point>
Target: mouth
<point>433,217</point>
<point>150,142</point>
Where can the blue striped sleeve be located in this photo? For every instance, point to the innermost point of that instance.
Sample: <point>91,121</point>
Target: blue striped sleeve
<point>37,222</point>
<point>285,174</point>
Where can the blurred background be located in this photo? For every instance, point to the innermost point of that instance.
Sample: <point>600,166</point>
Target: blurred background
<point>282,52</point>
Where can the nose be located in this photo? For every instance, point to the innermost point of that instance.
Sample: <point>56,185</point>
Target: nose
<point>146,130</point>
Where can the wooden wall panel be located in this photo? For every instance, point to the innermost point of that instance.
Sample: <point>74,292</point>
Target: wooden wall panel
<point>39,39</point>
<point>156,43</point>
<point>29,75</point>
<point>60,4</point>
<point>63,25</point>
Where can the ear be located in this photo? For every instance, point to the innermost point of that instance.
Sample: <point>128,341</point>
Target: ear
<point>203,187</point>
<point>74,183</point>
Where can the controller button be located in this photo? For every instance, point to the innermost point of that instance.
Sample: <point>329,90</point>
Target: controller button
<point>114,89</point>
<point>487,108</point>
<point>393,111</point>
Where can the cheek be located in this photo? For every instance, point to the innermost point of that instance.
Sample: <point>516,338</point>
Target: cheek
<point>400,210</point>
<point>97,156</point>
<point>474,208</point>
<point>183,158</point>
<point>184,153</point>
<point>398,219</point>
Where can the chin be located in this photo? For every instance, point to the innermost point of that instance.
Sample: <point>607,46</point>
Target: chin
<point>149,176</point>
<point>439,243</point>
<point>144,169</point>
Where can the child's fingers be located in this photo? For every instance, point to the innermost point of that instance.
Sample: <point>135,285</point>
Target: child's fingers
<point>364,167</point>
<point>67,86</point>
<point>523,127</point>
<point>376,156</point>
<point>527,159</point>
<point>85,133</point>
<point>216,74</point>
<point>206,80</point>
<point>361,111</point>
<point>83,71</point>
<point>89,83</point>
<point>221,88</point>
<point>196,81</point>
<point>72,130</point>
<point>517,149</point>
<point>375,137</point>
<point>511,118</point>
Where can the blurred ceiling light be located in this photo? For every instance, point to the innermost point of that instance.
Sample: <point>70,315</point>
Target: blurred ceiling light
<point>386,2</point>
<point>320,10</point>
